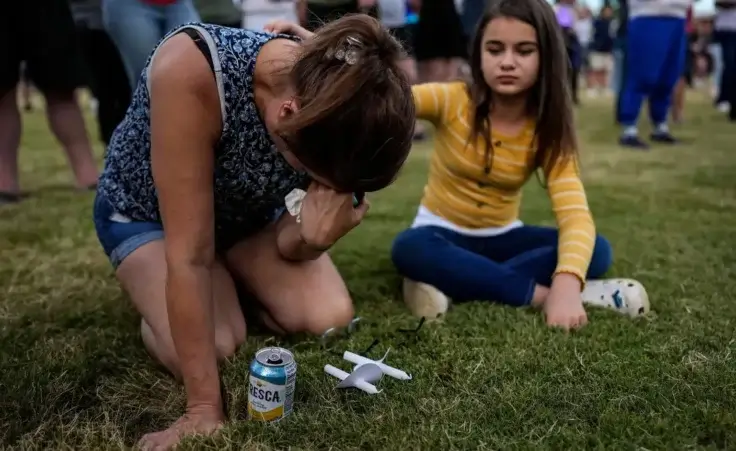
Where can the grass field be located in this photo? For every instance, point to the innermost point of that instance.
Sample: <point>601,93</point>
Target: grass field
<point>74,374</point>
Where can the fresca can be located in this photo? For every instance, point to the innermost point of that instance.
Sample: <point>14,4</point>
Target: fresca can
<point>272,383</point>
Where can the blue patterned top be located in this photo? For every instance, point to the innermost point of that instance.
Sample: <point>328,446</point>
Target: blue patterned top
<point>251,177</point>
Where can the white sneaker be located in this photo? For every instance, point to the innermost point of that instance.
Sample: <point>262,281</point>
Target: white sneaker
<point>723,107</point>
<point>424,300</point>
<point>623,295</point>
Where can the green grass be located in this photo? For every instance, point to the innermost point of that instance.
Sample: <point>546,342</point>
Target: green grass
<point>74,374</point>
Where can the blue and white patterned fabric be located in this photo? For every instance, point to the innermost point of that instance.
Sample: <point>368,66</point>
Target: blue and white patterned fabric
<point>251,177</point>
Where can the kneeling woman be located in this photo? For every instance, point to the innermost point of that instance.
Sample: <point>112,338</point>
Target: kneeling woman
<point>492,135</point>
<point>224,125</point>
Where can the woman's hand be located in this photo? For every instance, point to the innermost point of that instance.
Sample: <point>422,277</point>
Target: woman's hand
<point>564,305</point>
<point>204,422</point>
<point>326,216</point>
<point>285,27</point>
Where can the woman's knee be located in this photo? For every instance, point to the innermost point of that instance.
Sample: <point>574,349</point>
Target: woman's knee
<point>228,339</point>
<point>602,259</point>
<point>316,318</point>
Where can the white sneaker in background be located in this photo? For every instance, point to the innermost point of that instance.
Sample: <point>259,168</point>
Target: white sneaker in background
<point>424,300</point>
<point>723,107</point>
<point>623,295</point>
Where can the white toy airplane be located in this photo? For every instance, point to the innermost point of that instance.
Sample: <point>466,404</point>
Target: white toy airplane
<point>366,373</point>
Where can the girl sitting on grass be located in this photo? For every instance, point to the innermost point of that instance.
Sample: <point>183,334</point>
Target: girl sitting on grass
<point>492,135</point>
<point>466,241</point>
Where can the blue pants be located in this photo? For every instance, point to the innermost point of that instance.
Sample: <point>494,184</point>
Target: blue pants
<point>503,268</point>
<point>655,60</point>
<point>137,27</point>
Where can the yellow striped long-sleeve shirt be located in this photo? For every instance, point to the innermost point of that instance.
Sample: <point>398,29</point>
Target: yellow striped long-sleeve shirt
<point>458,189</point>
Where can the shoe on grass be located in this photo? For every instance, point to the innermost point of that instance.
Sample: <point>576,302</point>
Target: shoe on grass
<point>424,300</point>
<point>626,296</point>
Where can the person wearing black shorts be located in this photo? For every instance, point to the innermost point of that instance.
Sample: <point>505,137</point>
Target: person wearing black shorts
<point>439,42</point>
<point>320,12</point>
<point>106,77</point>
<point>42,34</point>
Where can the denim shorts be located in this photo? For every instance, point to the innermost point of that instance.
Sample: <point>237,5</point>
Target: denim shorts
<point>119,235</point>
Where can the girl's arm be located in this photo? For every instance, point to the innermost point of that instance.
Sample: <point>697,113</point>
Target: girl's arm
<point>185,124</point>
<point>433,101</point>
<point>576,227</point>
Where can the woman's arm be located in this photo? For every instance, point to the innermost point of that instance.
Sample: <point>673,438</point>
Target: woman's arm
<point>286,27</point>
<point>185,124</point>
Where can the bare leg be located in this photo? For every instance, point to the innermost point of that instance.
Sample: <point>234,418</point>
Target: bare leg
<point>143,276</point>
<point>409,66</point>
<point>678,100</point>
<point>433,70</point>
<point>10,130</point>
<point>305,296</point>
<point>67,123</point>
<point>26,95</point>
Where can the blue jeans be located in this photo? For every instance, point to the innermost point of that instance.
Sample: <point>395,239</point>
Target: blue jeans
<point>118,237</point>
<point>503,268</point>
<point>655,59</point>
<point>617,75</point>
<point>137,27</point>
<point>716,52</point>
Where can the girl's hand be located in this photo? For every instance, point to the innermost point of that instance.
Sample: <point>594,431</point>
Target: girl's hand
<point>326,216</point>
<point>564,305</point>
<point>285,27</point>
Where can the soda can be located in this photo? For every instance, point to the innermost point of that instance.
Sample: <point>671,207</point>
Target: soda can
<point>271,385</point>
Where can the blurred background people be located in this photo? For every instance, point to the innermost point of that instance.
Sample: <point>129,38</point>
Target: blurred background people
<point>42,34</point>
<point>136,26</point>
<point>221,12</point>
<point>104,69</point>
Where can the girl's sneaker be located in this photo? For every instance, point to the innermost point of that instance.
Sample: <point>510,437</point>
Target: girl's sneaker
<point>425,300</point>
<point>623,295</point>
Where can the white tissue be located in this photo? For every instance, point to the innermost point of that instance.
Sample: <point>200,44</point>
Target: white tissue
<point>293,201</point>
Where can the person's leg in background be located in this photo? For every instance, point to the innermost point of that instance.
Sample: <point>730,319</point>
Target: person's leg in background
<point>717,57</point>
<point>135,27</point>
<point>26,88</point>
<point>409,66</point>
<point>671,70</point>
<point>55,65</point>
<point>108,79</point>
<point>681,86</point>
<point>729,71</point>
<point>11,49</point>
<point>647,49</point>
<point>617,79</point>
<point>179,13</point>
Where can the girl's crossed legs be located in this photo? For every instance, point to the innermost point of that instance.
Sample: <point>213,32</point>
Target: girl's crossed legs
<point>503,268</point>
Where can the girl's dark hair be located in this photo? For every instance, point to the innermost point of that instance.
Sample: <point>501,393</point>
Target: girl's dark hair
<point>356,114</point>
<point>550,100</point>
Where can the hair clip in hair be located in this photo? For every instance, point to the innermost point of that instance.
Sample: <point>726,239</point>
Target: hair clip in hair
<point>348,51</point>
